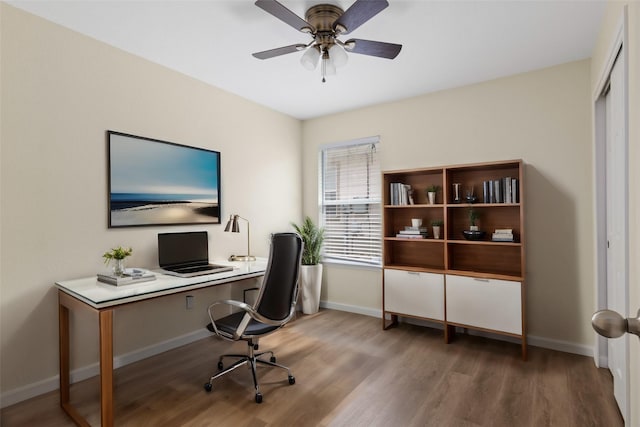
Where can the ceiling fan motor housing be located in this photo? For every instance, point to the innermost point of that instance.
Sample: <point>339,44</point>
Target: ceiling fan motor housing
<point>322,17</point>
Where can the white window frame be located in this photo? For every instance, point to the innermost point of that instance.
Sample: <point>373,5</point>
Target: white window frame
<point>375,260</point>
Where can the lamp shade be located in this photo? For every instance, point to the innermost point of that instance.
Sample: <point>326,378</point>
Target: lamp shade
<point>328,67</point>
<point>338,55</point>
<point>310,58</point>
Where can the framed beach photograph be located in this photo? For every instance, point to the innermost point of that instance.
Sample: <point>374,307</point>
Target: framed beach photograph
<point>153,182</point>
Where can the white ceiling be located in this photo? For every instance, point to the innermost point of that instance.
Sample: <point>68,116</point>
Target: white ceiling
<point>446,44</point>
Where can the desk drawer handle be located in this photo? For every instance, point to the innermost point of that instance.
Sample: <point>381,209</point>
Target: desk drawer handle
<point>481,280</point>
<point>413,273</point>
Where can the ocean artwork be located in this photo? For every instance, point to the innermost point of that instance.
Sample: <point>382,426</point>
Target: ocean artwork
<point>159,183</point>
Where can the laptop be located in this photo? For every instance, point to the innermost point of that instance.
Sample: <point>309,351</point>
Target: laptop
<point>186,254</point>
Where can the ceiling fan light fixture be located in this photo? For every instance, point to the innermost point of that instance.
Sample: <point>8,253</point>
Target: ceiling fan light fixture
<point>349,44</point>
<point>310,58</point>
<point>338,55</point>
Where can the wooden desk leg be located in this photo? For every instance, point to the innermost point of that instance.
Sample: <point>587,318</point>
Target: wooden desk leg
<point>63,332</point>
<point>106,367</point>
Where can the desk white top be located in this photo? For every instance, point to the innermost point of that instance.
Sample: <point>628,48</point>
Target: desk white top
<point>101,295</point>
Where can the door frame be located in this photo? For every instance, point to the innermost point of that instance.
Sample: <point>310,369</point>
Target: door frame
<point>619,46</point>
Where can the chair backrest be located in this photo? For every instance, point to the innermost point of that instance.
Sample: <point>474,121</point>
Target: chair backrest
<point>279,289</point>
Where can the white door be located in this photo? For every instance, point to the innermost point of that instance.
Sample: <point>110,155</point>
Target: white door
<point>616,214</point>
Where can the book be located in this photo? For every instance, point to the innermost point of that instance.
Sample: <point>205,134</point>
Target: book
<point>504,230</point>
<point>486,194</point>
<point>502,235</point>
<point>400,194</point>
<point>507,190</point>
<point>411,236</point>
<point>131,276</point>
<point>515,193</point>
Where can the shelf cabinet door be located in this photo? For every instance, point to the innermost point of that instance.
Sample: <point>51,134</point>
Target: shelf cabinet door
<point>484,303</point>
<point>414,293</point>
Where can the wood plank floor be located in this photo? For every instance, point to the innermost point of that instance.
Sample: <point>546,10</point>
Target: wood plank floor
<point>349,372</point>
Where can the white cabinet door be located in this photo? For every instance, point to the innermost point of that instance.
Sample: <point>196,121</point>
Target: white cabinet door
<point>414,293</point>
<point>484,303</point>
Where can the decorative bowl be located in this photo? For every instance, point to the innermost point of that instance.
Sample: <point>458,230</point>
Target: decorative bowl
<point>473,234</point>
<point>471,199</point>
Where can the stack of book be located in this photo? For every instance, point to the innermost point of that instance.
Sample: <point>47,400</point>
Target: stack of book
<point>503,190</point>
<point>413,233</point>
<point>502,235</point>
<point>400,194</point>
<point>131,276</point>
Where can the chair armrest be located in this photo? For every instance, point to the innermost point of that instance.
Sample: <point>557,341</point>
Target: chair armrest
<point>249,313</point>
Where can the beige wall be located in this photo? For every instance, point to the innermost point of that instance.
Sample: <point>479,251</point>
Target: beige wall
<point>60,92</point>
<point>542,117</point>
<point>610,26</point>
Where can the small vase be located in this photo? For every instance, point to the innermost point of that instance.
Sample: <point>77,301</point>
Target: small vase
<point>118,268</point>
<point>436,231</point>
<point>432,197</point>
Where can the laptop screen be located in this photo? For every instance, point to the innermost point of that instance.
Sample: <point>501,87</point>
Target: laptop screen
<point>183,248</point>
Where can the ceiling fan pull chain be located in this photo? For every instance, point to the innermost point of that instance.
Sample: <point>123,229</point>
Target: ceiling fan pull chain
<point>323,66</point>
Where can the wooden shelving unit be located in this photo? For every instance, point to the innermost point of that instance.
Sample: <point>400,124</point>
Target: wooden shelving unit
<point>482,282</point>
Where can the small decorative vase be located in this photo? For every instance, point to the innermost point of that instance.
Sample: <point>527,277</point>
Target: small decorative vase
<point>473,227</point>
<point>118,267</point>
<point>432,197</point>
<point>436,231</point>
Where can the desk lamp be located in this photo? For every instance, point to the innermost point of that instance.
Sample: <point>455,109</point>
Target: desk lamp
<point>234,227</point>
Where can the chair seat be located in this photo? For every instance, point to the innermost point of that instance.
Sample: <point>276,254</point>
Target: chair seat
<point>229,324</point>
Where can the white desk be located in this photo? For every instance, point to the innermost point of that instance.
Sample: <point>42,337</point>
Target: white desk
<point>102,298</point>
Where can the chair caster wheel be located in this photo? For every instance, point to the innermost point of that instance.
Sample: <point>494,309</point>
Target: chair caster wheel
<point>220,366</point>
<point>258,398</point>
<point>273,359</point>
<point>292,380</point>
<point>208,387</point>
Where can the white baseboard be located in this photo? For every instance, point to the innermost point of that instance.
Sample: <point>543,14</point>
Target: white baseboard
<point>31,390</point>
<point>50,384</point>
<point>548,343</point>
<point>373,312</point>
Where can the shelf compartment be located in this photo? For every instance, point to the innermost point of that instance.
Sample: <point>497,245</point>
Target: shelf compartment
<point>474,175</point>
<point>497,259</point>
<point>419,180</point>
<point>398,217</point>
<point>421,254</point>
<point>492,217</point>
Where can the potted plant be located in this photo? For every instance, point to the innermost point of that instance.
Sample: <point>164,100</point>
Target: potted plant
<point>118,254</point>
<point>431,193</point>
<point>311,270</point>
<point>473,216</point>
<point>473,233</point>
<point>436,224</point>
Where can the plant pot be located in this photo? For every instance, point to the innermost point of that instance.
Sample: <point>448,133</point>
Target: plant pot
<point>310,286</point>
<point>118,267</point>
<point>436,231</point>
<point>431,195</point>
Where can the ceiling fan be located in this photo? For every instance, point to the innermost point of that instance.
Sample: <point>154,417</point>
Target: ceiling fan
<point>325,23</point>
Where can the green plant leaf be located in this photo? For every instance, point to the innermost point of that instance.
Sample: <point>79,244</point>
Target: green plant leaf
<point>313,238</point>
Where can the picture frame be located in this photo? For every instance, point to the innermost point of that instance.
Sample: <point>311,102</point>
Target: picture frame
<point>156,183</point>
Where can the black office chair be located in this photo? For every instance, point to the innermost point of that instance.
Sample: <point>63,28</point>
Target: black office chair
<point>274,307</point>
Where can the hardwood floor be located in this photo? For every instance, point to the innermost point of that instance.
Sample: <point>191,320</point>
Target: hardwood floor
<point>349,372</point>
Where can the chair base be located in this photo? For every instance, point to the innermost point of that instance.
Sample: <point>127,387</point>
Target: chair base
<point>252,359</point>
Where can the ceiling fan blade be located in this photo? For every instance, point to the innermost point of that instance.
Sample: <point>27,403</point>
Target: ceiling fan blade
<point>359,13</point>
<point>285,15</point>
<point>266,54</point>
<point>373,48</point>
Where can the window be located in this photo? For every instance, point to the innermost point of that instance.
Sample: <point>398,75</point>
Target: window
<point>350,202</point>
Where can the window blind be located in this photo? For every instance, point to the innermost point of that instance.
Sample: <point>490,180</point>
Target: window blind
<point>351,203</point>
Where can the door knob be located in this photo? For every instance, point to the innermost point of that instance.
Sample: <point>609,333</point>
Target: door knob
<point>612,325</point>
